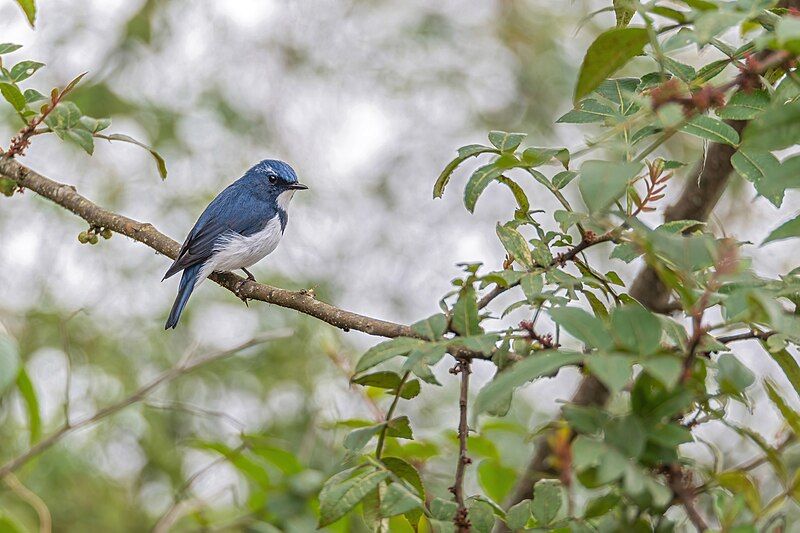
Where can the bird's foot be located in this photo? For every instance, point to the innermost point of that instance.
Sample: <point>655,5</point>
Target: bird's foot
<point>249,275</point>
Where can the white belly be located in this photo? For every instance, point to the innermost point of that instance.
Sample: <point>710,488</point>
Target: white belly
<point>233,251</point>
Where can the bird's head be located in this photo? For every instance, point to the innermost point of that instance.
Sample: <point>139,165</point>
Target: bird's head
<point>276,178</point>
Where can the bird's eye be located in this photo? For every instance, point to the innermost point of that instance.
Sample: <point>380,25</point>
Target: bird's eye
<point>273,179</point>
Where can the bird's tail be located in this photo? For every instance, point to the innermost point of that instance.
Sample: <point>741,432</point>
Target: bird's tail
<point>188,282</point>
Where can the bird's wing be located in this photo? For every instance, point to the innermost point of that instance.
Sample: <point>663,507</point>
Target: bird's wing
<point>234,210</point>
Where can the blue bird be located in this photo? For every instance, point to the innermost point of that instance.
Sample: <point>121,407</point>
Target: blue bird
<point>240,227</point>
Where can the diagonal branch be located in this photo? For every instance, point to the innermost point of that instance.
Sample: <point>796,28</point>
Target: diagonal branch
<point>303,301</point>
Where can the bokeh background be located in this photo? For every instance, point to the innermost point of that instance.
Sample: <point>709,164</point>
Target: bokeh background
<point>368,100</point>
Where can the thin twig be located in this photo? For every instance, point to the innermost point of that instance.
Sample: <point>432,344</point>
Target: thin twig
<point>181,369</point>
<point>32,499</point>
<point>685,495</point>
<point>461,519</point>
<point>389,415</point>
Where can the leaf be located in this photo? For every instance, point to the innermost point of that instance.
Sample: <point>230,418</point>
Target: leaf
<point>31,401</point>
<point>623,12</point>
<point>607,54</point>
<point>160,163</point>
<point>774,129</point>
<point>587,111</point>
<point>24,70</point>
<point>602,182</point>
<point>7,48</point>
<point>381,380</point>
<point>506,142</point>
<point>532,285</point>
<point>518,515</point>
<point>760,167</point>
<point>518,192</point>
<point>583,326</point>
<point>481,515</point>
<point>613,371</point>
<point>712,23</point>
<point>745,106</point>
<point>712,129</point>
<point>627,435</point>
<point>685,73</point>
<point>13,96</point>
<point>600,506</point>
<point>516,245</point>
<point>465,320</point>
<point>784,231</point>
<point>788,364</point>
<point>443,509</point>
<point>398,500</point>
<point>358,438</point>
<point>494,394</point>
<point>32,95</point>
<point>341,493</point>
<point>29,8</point>
<point>386,350</point>
<point>478,181</point>
<point>432,328</point>
<point>739,483</point>
<point>563,178</point>
<point>546,500</point>
<point>636,329</point>
<point>732,375</point>
<point>404,470</point>
<point>665,368</point>
<point>9,362</point>
<point>495,479</point>
<point>399,427</point>
<point>82,138</point>
<point>464,153</point>
<point>791,416</point>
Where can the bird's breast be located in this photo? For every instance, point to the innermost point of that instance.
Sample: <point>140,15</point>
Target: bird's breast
<point>234,251</point>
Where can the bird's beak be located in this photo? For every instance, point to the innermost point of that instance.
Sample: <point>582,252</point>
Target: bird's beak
<point>297,187</point>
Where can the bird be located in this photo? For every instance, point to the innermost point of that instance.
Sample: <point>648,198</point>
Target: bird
<point>241,226</point>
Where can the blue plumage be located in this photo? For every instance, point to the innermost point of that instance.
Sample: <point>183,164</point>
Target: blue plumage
<point>242,225</point>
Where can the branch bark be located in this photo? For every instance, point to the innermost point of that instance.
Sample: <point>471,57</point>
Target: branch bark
<point>68,197</point>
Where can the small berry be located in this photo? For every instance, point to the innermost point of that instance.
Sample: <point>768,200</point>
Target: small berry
<point>93,239</point>
<point>83,237</point>
<point>106,233</point>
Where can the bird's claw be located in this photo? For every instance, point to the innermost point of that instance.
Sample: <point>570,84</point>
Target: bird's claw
<point>238,291</point>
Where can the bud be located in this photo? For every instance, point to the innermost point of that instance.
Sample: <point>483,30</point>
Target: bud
<point>106,233</point>
<point>93,238</point>
<point>83,237</point>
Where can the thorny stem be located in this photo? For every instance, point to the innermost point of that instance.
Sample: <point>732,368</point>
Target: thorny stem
<point>684,493</point>
<point>461,519</point>
<point>389,415</point>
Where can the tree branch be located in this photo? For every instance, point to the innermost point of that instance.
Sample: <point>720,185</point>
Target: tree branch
<point>181,368</point>
<point>67,196</point>
<point>461,519</point>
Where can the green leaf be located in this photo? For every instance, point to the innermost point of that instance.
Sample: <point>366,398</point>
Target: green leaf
<point>546,500</point>
<point>791,416</point>
<point>732,375</point>
<point>532,285</point>
<point>443,509</point>
<point>788,364</point>
<point>7,48</point>
<point>29,8</point>
<point>358,438</point>
<point>602,182</point>
<point>627,435</point>
<point>516,245</point>
<point>404,470</point>
<point>65,116</point>
<point>563,178</point>
<point>760,168</point>
<point>784,231</point>
<point>160,163</point>
<point>495,479</point>
<point>607,54</point>
<point>623,12</point>
<point>506,142</point>
<point>613,371</point>
<point>32,95</point>
<point>341,493</point>
<point>481,515</point>
<point>636,329</point>
<point>601,506</point>
<point>587,111</point>
<point>400,428</point>
<point>712,129</point>
<point>387,350</point>
<point>683,72</point>
<point>82,138</point>
<point>465,320</point>
<point>13,96</point>
<point>745,106</point>
<point>9,363</point>
<point>432,328</point>
<point>398,500</point>
<point>494,394</point>
<point>665,368</point>
<point>24,70</point>
<point>464,153</point>
<point>774,129</point>
<point>478,182</point>
<point>739,483</point>
<point>712,23</point>
<point>582,326</point>
<point>381,380</point>
<point>31,401</point>
<point>518,515</point>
